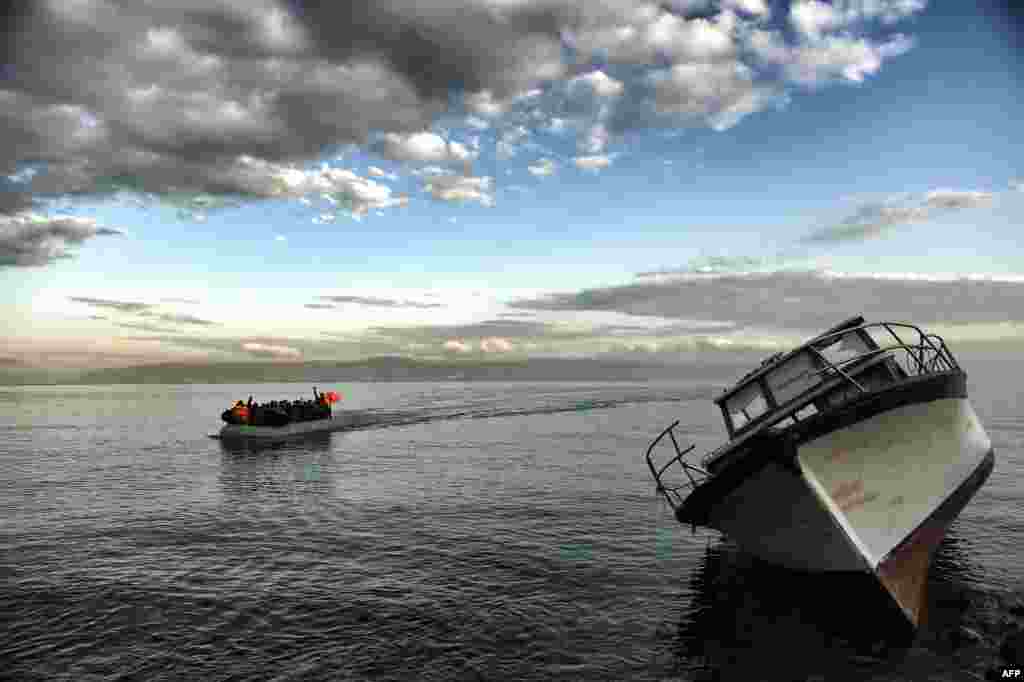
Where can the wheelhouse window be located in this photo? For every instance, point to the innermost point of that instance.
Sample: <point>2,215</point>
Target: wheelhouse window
<point>798,375</point>
<point>746,405</point>
<point>846,347</point>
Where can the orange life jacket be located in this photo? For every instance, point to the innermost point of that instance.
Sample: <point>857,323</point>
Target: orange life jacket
<point>242,412</point>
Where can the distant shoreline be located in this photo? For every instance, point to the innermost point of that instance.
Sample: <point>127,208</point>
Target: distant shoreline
<point>384,370</point>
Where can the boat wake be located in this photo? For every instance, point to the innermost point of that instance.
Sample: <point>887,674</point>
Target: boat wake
<point>379,418</point>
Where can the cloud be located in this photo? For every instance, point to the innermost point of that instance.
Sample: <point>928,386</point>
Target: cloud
<point>811,17</point>
<point>421,147</point>
<point>716,94</point>
<point>758,8</point>
<point>543,168</point>
<point>711,264</point>
<point>186,301</point>
<point>279,352</point>
<point>380,173</point>
<point>319,306</point>
<point>169,94</point>
<point>29,239</point>
<point>596,139</point>
<point>199,105</point>
<point>494,344</point>
<point>838,58</point>
<point>456,346</point>
<point>598,83</point>
<point>592,163</point>
<point>339,186</point>
<point>460,188</point>
<point>372,301</point>
<point>120,306</point>
<point>874,220</point>
<point>646,34</point>
<point>145,327</point>
<point>507,145</point>
<point>807,300</point>
<point>949,199</point>
<point>185,319</point>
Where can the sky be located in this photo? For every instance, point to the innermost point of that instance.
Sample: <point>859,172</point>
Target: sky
<point>229,180</point>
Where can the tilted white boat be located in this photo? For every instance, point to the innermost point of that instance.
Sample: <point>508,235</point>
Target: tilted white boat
<point>338,422</point>
<point>853,452</point>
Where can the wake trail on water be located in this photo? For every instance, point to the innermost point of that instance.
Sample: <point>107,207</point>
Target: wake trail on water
<point>379,419</point>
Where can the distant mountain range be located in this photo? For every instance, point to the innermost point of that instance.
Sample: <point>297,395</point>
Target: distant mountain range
<point>377,369</point>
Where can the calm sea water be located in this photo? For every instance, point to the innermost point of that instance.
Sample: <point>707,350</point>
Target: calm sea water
<point>479,531</point>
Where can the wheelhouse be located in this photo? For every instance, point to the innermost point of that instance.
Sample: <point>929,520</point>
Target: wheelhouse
<point>850,359</point>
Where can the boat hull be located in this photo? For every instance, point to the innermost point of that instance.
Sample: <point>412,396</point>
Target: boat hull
<point>873,490</point>
<point>338,422</point>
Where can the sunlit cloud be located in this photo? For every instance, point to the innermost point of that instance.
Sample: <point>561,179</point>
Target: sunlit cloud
<point>264,350</point>
<point>592,163</point>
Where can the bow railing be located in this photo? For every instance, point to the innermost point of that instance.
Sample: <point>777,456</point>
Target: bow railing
<point>694,475</point>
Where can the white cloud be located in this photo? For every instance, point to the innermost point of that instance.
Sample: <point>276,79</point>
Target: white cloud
<point>273,351</point>
<point>460,188</point>
<point>483,103</point>
<point>543,168</point>
<point>812,17</point>
<point>592,163</point>
<point>842,57</point>
<point>508,144</point>
<point>380,173</point>
<point>599,83</point>
<point>719,94</point>
<point>280,238</point>
<point>596,139</point>
<point>477,122</point>
<point>457,346</point>
<point>557,125</point>
<point>495,344</point>
<point>645,34</point>
<point>956,199</point>
<point>758,8</point>
<point>423,147</point>
<point>337,185</point>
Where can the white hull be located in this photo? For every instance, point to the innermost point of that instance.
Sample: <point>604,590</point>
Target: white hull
<point>860,494</point>
<point>339,422</point>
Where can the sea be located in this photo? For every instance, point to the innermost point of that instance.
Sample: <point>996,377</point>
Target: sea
<point>476,531</point>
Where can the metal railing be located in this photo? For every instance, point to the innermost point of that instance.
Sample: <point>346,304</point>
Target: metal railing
<point>695,475</point>
<point>928,355</point>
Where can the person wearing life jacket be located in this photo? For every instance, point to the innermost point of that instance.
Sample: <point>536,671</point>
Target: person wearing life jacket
<point>323,403</point>
<point>241,413</point>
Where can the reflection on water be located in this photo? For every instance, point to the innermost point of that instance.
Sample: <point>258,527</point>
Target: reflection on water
<point>316,441</point>
<point>297,470</point>
<point>751,620</point>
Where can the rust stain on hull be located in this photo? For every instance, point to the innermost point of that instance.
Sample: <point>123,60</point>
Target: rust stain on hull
<point>904,573</point>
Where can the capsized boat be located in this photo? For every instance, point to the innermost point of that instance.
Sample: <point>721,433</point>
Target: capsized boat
<point>340,421</point>
<point>852,453</point>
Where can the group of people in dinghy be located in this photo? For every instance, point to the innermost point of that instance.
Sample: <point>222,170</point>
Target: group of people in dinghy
<point>281,412</point>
